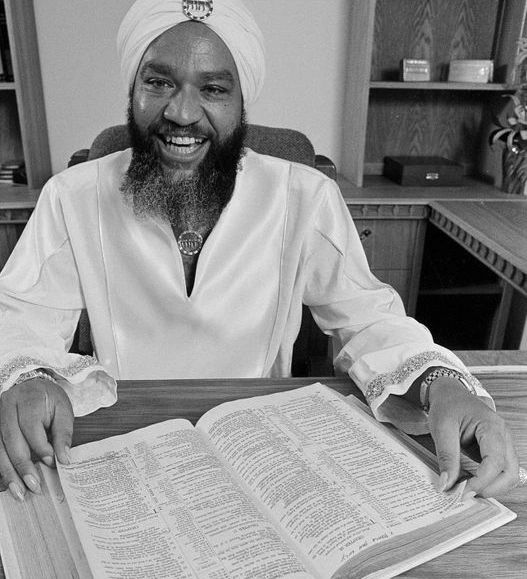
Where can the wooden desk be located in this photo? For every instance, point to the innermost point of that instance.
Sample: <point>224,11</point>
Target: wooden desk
<point>494,231</point>
<point>501,553</point>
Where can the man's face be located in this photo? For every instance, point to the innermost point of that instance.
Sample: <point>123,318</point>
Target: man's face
<point>186,95</point>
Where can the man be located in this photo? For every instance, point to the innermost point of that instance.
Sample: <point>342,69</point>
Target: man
<point>193,258</point>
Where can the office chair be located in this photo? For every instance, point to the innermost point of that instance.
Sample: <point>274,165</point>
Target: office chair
<point>310,352</point>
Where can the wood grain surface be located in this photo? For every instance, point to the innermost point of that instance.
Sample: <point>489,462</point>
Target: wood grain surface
<point>501,553</point>
<point>501,227</point>
<point>30,94</point>
<point>436,30</point>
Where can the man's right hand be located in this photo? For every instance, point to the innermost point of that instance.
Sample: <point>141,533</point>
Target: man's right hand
<point>31,413</point>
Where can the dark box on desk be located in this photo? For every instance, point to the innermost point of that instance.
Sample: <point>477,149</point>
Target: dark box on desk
<point>416,171</point>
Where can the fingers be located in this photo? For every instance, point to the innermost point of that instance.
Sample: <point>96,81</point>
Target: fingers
<point>499,468</point>
<point>445,433</point>
<point>62,431</point>
<point>26,412</point>
<point>18,471</point>
<point>10,478</point>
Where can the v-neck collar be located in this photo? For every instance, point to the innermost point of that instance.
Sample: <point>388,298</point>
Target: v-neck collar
<point>208,252</point>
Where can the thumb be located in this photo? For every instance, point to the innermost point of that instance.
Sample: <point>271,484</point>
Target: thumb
<point>62,431</point>
<point>446,439</point>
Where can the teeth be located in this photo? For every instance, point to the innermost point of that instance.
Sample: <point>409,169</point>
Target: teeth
<point>183,141</point>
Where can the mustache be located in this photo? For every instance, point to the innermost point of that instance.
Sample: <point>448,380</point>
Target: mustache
<point>168,128</point>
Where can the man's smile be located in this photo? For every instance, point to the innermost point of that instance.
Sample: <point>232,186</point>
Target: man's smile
<point>178,148</point>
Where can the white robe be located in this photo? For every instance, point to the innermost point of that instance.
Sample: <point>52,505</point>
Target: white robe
<point>285,238</point>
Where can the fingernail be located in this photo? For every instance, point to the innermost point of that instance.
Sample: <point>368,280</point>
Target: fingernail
<point>32,483</point>
<point>442,482</point>
<point>16,491</point>
<point>48,461</point>
<point>67,455</point>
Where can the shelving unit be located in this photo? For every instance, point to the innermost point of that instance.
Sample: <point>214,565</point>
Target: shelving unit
<point>385,116</point>
<point>473,86</point>
<point>23,127</point>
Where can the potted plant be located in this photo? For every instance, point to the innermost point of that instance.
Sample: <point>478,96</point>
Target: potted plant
<point>512,133</point>
<point>512,129</point>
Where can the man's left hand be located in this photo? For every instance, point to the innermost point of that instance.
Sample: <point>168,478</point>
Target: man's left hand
<point>459,419</point>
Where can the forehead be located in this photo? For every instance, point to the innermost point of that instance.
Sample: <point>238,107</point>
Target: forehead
<point>191,45</point>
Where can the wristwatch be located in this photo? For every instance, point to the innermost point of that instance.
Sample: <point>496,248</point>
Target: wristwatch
<point>424,395</point>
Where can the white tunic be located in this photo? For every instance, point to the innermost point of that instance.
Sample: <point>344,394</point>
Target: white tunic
<point>285,238</point>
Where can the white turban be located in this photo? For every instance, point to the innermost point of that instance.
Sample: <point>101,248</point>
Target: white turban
<point>230,20</point>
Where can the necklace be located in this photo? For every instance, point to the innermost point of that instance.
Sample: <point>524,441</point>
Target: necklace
<point>190,242</point>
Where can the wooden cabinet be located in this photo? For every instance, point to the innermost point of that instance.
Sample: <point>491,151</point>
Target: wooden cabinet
<point>463,302</point>
<point>393,240</point>
<point>384,116</point>
<point>23,128</point>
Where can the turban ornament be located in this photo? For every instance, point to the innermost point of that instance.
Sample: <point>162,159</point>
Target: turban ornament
<point>229,19</point>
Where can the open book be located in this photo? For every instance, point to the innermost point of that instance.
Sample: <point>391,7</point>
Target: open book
<point>297,484</point>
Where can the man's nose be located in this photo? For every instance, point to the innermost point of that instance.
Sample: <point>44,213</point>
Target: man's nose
<point>184,107</point>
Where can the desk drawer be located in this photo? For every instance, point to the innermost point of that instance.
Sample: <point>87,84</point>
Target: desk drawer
<point>393,239</point>
<point>389,244</point>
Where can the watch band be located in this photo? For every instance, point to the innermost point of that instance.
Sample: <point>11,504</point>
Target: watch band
<point>424,394</point>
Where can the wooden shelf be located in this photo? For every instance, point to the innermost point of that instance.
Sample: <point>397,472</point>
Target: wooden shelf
<point>470,86</point>
<point>386,116</point>
<point>23,126</point>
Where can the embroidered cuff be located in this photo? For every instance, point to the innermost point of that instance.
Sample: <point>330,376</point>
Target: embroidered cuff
<point>405,415</point>
<point>413,366</point>
<point>84,380</point>
<point>35,374</point>
<point>10,371</point>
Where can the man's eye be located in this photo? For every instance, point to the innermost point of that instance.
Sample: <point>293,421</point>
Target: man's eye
<point>215,90</point>
<point>157,83</point>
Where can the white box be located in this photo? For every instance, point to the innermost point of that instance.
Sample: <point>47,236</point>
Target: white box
<point>470,71</point>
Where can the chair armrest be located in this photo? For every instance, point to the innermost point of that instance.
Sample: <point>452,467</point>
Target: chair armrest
<point>78,157</point>
<point>326,165</point>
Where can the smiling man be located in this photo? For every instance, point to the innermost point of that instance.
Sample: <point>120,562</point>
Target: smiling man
<point>193,257</point>
<point>187,127</point>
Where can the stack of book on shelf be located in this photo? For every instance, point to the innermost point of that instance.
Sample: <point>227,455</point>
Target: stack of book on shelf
<point>6,67</point>
<point>12,171</point>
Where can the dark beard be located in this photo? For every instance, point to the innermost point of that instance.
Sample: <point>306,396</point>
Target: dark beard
<point>194,202</point>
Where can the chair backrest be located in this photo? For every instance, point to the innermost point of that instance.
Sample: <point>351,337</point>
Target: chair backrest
<point>311,347</point>
<point>278,142</point>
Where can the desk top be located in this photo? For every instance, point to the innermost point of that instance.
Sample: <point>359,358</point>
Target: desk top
<point>377,190</point>
<point>494,231</point>
<point>17,197</point>
<point>502,552</point>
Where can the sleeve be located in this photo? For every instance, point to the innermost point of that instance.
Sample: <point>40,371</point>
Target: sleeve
<point>40,303</point>
<point>382,349</point>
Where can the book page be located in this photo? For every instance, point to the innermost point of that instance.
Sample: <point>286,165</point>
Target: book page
<point>158,503</point>
<point>327,472</point>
